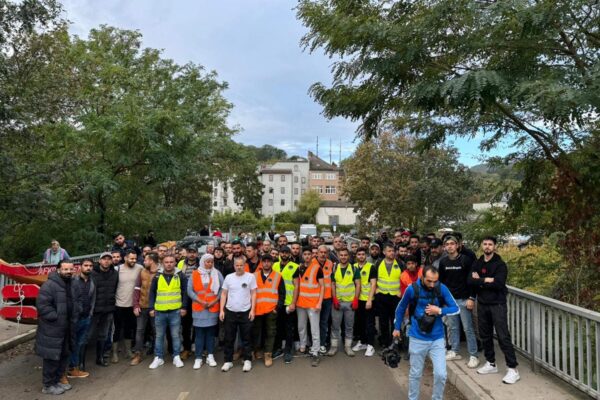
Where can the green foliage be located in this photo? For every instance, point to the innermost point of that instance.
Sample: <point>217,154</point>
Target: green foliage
<point>534,268</point>
<point>401,187</point>
<point>267,153</point>
<point>518,71</point>
<point>101,134</point>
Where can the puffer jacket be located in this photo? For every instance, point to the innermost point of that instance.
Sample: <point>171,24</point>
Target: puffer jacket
<point>54,324</point>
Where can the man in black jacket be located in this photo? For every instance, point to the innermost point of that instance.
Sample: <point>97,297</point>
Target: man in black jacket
<point>488,277</point>
<point>106,279</point>
<point>58,306</point>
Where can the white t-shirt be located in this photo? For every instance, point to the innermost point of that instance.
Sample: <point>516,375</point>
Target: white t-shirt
<point>239,296</point>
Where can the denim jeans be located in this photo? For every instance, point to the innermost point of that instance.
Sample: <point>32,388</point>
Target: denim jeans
<point>326,307</point>
<point>347,314</point>
<point>204,340</point>
<point>81,338</point>
<point>453,322</point>
<point>162,320</point>
<point>418,350</point>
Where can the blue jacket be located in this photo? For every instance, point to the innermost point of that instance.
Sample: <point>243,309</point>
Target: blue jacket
<point>449,308</point>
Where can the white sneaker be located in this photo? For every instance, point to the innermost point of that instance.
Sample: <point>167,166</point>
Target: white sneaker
<point>197,363</point>
<point>488,368</point>
<point>177,362</point>
<point>157,362</point>
<point>227,366</point>
<point>322,350</point>
<point>473,362</point>
<point>370,351</point>
<point>247,366</point>
<point>512,376</point>
<point>451,356</point>
<point>359,346</point>
<point>210,360</point>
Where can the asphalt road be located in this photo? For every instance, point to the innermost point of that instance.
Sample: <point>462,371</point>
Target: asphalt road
<point>338,377</point>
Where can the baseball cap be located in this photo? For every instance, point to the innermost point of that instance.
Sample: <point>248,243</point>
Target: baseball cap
<point>105,254</point>
<point>450,237</point>
<point>435,242</point>
<point>374,245</point>
<point>192,248</point>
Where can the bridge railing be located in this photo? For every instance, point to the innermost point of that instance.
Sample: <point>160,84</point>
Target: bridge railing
<point>561,338</point>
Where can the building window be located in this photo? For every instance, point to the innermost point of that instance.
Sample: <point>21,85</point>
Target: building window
<point>282,190</point>
<point>330,177</point>
<point>330,189</point>
<point>317,176</point>
<point>282,178</point>
<point>270,178</point>
<point>282,202</point>
<point>296,168</point>
<point>295,179</point>
<point>334,220</point>
<point>224,201</point>
<point>295,190</point>
<point>303,180</point>
<point>270,202</point>
<point>318,189</point>
<point>215,204</point>
<point>216,192</point>
<point>295,203</point>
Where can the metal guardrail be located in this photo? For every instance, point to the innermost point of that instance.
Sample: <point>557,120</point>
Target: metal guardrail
<point>95,257</point>
<point>561,338</point>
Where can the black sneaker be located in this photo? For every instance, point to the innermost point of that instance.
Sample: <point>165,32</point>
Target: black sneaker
<point>288,358</point>
<point>315,361</point>
<point>277,354</point>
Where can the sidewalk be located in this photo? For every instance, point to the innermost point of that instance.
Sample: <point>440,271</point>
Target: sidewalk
<point>542,385</point>
<point>12,334</point>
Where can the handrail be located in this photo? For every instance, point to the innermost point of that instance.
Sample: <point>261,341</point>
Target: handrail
<point>94,257</point>
<point>570,308</point>
<point>561,338</point>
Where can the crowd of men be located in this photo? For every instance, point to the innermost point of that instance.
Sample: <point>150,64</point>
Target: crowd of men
<point>264,300</point>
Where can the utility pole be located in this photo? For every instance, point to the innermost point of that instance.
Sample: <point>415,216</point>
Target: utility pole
<point>340,160</point>
<point>329,150</point>
<point>317,146</point>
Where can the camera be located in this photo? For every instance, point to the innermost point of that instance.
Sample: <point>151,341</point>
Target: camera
<point>391,355</point>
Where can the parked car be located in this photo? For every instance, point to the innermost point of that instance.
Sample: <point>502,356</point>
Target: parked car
<point>291,236</point>
<point>200,242</point>
<point>327,236</point>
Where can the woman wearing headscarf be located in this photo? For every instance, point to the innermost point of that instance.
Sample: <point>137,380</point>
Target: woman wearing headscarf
<point>204,288</point>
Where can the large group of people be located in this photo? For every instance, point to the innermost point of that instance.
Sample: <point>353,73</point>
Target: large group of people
<point>268,299</point>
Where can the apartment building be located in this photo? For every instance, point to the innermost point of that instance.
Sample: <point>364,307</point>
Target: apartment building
<point>324,178</point>
<point>284,183</point>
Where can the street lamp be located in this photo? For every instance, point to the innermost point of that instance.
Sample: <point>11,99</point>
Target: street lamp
<point>272,191</point>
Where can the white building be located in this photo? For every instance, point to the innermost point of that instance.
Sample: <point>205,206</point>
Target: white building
<point>284,183</point>
<point>223,198</point>
<point>336,213</point>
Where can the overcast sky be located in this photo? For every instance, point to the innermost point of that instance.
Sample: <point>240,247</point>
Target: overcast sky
<point>254,46</point>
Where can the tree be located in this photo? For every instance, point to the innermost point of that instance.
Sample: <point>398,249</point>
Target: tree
<point>267,153</point>
<point>308,207</point>
<point>125,140</point>
<point>398,186</point>
<point>522,71</point>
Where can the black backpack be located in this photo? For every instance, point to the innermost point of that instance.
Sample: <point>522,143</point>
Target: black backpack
<point>436,292</point>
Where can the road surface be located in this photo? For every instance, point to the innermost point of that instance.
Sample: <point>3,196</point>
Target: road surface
<point>340,377</point>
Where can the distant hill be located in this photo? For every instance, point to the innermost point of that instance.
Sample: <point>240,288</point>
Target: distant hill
<point>499,171</point>
<point>267,153</point>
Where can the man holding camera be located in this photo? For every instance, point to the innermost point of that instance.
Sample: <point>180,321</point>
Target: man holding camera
<point>428,301</point>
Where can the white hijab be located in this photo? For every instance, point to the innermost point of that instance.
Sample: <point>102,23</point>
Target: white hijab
<point>209,273</point>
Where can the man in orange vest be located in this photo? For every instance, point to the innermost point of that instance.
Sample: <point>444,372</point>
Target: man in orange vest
<point>311,290</point>
<point>270,298</point>
<point>326,266</point>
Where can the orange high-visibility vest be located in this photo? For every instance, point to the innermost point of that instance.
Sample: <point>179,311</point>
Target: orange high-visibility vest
<point>204,293</point>
<point>267,294</point>
<point>309,289</point>
<point>327,271</point>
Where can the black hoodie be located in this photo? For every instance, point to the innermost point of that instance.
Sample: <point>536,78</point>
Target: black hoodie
<point>494,292</point>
